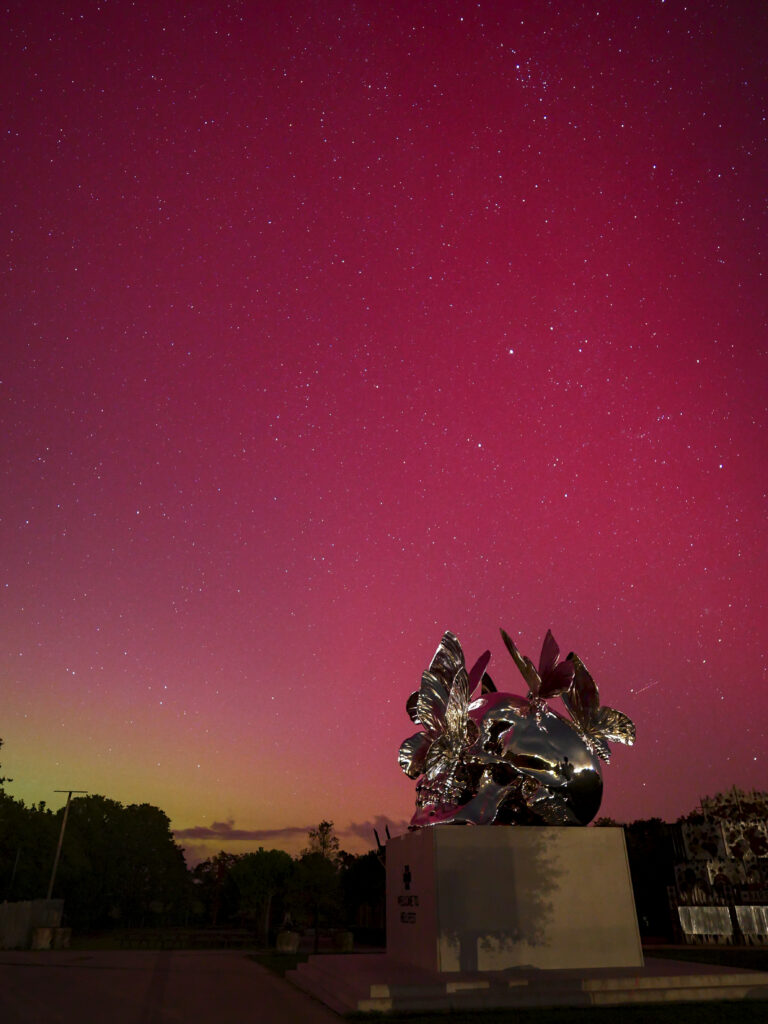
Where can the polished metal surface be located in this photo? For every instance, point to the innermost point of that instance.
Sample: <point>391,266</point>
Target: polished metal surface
<point>706,921</point>
<point>753,922</point>
<point>503,759</point>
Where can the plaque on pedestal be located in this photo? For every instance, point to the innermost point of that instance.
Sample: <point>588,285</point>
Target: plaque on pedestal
<point>461,898</point>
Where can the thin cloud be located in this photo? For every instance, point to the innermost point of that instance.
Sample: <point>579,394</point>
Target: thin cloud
<point>364,829</point>
<point>226,830</point>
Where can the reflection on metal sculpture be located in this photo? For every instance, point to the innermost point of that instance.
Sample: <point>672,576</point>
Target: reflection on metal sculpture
<point>502,759</point>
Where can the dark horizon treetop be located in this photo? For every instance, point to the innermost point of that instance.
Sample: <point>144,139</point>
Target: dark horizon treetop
<point>323,840</point>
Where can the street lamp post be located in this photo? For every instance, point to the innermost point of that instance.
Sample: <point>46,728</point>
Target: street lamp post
<point>69,793</point>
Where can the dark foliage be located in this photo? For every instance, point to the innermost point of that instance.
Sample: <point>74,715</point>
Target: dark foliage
<point>216,897</point>
<point>363,885</point>
<point>119,865</point>
<point>652,857</point>
<point>262,880</point>
<point>27,844</point>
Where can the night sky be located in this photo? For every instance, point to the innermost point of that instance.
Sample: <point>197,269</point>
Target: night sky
<point>329,326</point>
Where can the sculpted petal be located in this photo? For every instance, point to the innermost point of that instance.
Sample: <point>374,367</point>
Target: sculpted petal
<point>431,704</point>
<point>599,746</point>
<point>550,653</point>
<point>448,659</point>
<point>484,806</point>
<point>456,709</point>
<point>557,680</point>
<point>438,758</point>
<point>487,684</point>
<point>582,699</point>
<point>529,673</point>
<point>412,754</point>
<point>411,705</point>
<point>616,726</point>
<point>477,670</point>
<point>549,806</point>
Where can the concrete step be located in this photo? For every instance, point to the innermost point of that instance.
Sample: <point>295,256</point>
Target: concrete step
<point>366,983</point>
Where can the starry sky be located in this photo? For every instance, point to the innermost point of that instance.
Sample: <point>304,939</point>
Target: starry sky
<point>329,326</point>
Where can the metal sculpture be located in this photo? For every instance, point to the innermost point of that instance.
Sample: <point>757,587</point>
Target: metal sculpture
<point>503,759</point>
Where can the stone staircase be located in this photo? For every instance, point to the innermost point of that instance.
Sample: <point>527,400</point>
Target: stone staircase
<point>364,983</point>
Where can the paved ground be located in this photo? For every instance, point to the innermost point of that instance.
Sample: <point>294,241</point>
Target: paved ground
<point>138,987</point>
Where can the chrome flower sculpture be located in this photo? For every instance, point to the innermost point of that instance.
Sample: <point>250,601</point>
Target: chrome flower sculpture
<point>502,759</point>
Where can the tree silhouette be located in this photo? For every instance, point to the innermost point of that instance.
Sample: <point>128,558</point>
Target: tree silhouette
<point>216,887</point>
<point>363,883</point>
<point>27,841</point>
<point>260,877</point>
<point>323,840</point>
<point>120,864</point>
<point>316,883</point>
<point>316,891</point>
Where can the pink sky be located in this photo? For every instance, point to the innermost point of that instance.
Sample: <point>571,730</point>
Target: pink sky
<point>329,327</point>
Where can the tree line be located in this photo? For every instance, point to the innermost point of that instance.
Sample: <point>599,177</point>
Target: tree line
<point>120,866</point>
<point>269,891</point>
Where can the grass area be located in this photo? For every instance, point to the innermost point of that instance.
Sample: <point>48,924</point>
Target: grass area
<point>663,1013</point>
<point>161,938</point>
<point>94,941</point>
<point>279,963</point>
<point>751,958</point>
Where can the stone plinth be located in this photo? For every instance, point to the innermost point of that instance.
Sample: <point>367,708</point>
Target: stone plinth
<point>464,898</point>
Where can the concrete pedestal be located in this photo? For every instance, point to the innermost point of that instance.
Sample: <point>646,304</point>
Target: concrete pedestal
<point>464,898</point>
